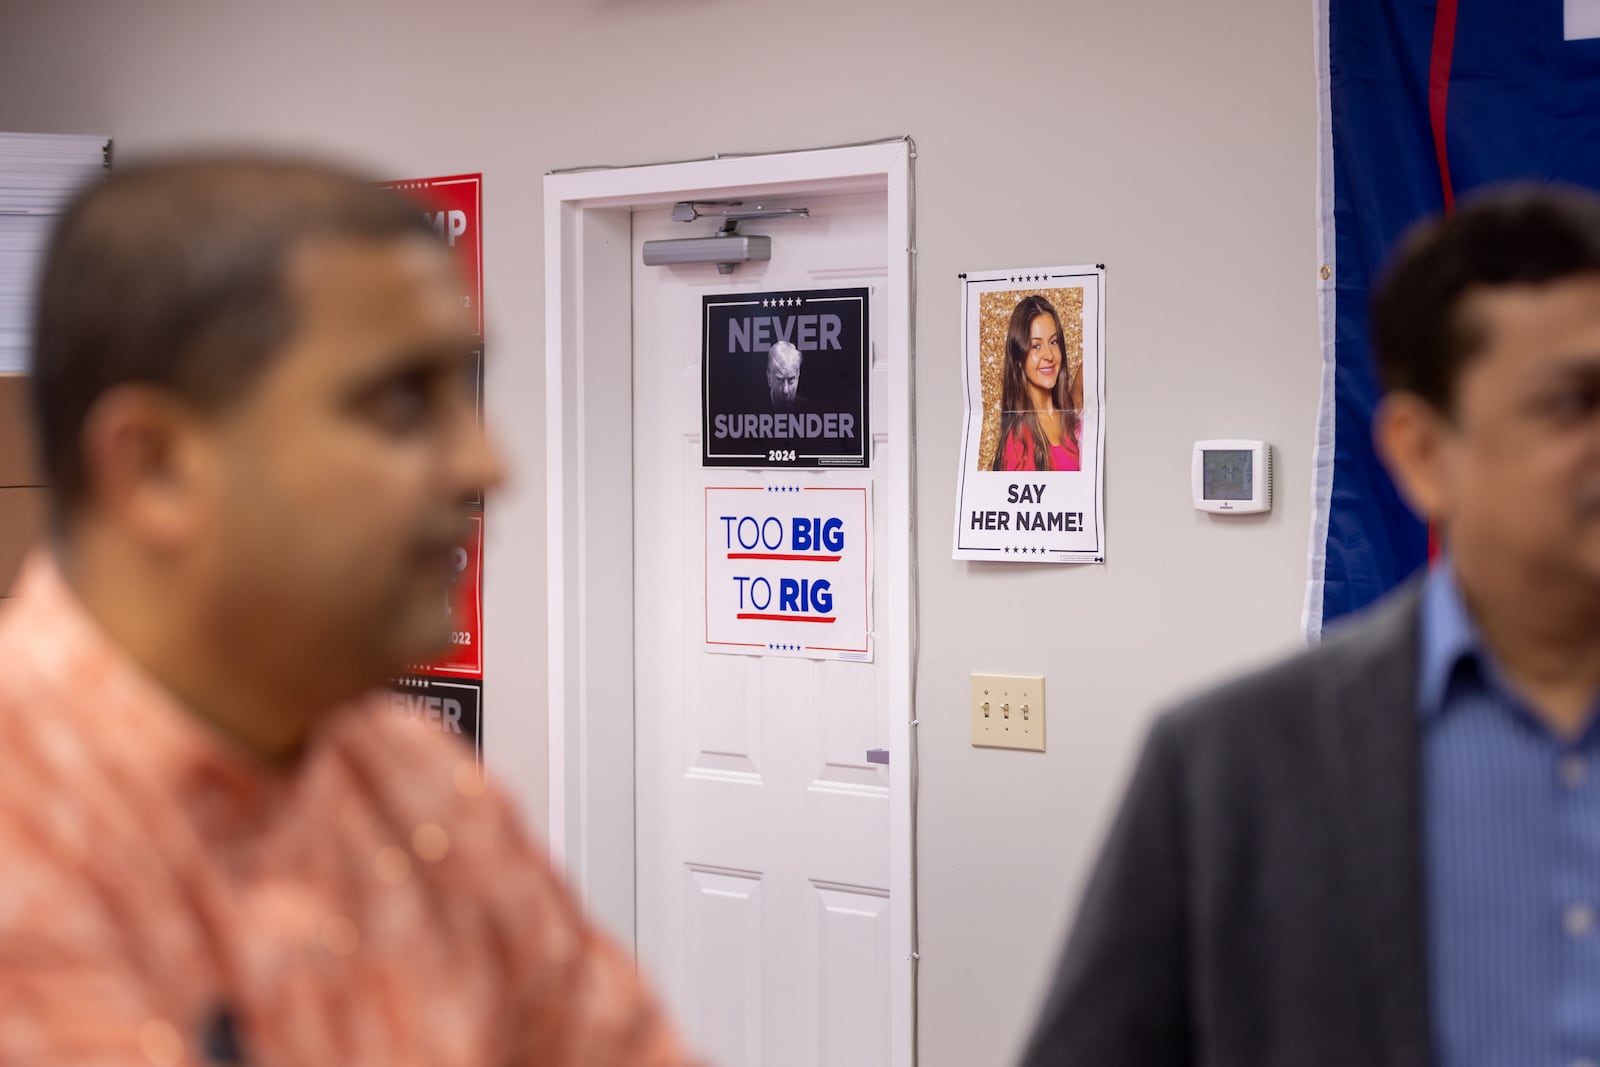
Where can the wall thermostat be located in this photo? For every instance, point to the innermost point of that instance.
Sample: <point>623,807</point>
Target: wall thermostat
<point>1232,477</point>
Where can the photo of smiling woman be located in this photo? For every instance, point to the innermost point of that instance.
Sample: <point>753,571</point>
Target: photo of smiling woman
<point>1040,396</point>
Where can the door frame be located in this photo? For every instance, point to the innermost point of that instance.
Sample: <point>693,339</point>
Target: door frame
<point>589,449</point>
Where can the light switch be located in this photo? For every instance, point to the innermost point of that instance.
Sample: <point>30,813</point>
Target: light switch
<point>1008,711</point>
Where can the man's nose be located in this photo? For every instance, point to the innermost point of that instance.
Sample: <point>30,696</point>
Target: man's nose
<point>480,466</point>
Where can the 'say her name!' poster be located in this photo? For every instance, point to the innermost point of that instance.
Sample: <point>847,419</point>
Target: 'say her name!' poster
<point>1032,470</point>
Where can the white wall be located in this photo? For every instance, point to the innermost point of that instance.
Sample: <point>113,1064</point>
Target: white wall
<point>1173,141</point>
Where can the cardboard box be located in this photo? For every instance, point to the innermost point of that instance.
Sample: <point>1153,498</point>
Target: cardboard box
<point>17,466</point>
<point>22,524</point>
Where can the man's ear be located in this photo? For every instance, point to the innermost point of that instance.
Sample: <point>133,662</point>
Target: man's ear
<point>1412,437</point>
<point>143,464</point>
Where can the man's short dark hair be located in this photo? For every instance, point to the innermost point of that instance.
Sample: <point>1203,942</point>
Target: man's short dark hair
<point>171,273</point>
<point>1510,235</point>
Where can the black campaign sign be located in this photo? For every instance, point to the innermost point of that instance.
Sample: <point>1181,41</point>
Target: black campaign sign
<point>454,708</point>
<point>784,379</point>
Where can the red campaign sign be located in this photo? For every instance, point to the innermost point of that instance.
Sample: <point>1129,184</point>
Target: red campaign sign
<point>455,207</point>
<point>465,658</point>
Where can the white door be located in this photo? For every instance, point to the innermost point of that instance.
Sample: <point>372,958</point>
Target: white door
<point>763,833</point>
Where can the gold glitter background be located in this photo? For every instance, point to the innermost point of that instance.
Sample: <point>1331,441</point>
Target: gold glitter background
<point>994,315</point>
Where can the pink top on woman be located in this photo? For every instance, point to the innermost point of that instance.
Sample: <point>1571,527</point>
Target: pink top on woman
<point>1017,454</point>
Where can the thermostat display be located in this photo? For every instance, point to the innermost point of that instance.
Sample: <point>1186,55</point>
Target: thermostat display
<point>1232,477</point>
<point>1227,474</point>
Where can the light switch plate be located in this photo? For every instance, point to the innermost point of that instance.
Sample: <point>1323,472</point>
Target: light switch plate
<point>1008,711</point>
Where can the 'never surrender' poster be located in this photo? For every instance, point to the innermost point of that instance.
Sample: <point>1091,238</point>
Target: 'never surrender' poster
<point>1031,480</point>
<point>784,379</point>
<point>453,708</point>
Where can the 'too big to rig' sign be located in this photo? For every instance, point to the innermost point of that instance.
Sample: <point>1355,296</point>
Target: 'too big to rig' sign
<point>789,570</point>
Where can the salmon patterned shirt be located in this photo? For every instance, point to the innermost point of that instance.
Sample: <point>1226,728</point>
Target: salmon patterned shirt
<point>165,901</point>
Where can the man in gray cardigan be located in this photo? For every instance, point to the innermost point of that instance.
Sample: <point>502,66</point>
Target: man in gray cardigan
<point>1385,852</point>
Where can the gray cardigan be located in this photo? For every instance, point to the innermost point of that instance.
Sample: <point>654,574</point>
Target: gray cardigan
<point>1259,900</point>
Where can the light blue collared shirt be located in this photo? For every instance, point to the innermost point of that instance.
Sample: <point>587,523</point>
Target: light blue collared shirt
<point>1511,831</point>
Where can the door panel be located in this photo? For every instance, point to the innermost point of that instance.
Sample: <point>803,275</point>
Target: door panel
<point>762,831</point>
<point>852,936</point>
<point>725,961</point>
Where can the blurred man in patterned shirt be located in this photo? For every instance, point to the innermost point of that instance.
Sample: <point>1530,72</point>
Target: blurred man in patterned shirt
<point>251,385</point>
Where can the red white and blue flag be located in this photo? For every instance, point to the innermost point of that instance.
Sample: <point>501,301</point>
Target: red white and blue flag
<point>1422,102</point>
